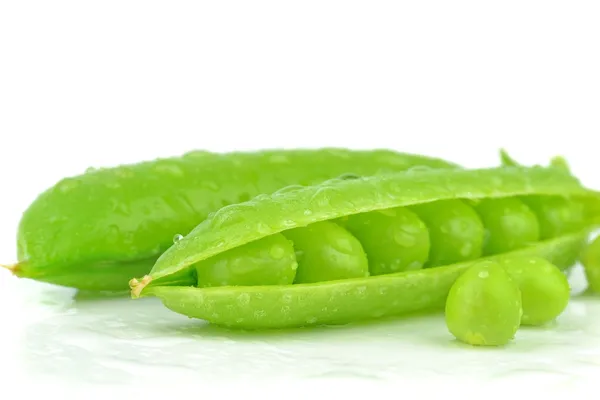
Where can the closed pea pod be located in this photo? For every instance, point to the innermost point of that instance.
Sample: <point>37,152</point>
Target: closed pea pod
<point>347,300</point>
<point>96,230</point>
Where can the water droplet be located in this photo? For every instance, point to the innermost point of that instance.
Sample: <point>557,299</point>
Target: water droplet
<point>287,298</point>
<point>288,223</point>
<point>171,169</point>
<point>230,215</point>
<point>307,212</point>
<point>361,291</point>
<point>198,154</point>
<point>210,185</point>
<point>289,189</point>
<point>277,252</point>
<point>260,314</point>
<point>177,238</point>
<point>112,185</point>
<point>466,249</point>
<point>414,265</point>
<point>389,212</point>
<point>311,320</point>
<point>279,159</point>
<point>295,266</point>
<point>67,185</point>
<point>124,172</point>
<point>419,168</point>
<point>404,239</point>
<point>243,299</point>
<point>483,274</point>
<point>263,228</point>
<point>348,176</point>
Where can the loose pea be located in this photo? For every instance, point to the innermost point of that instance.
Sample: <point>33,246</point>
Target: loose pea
<point>509,224</point>
<point>591,264</point>
<point>544,288</point>
<point>325,251</point>
<point>267,261</point>
<point>483,307</point>
<point>394,239</point>
<point>456,232</point>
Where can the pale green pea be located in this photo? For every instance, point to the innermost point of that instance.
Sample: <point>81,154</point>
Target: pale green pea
<point>267,261</point>
<point>483,307</point>
<point>544,288</point>
<point>325,251</point>
<point>394,239</point>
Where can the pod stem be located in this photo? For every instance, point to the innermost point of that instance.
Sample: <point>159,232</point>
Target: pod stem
<point>12,268</point>
<point>138,285</point>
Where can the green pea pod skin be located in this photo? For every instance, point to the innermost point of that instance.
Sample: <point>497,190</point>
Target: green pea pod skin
<point>591,265</point>
<point>351,299</point>
<point>111,224</point>
<point>338,302</point>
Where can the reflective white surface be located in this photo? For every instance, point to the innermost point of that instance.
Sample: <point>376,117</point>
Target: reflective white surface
<point>58,335</point>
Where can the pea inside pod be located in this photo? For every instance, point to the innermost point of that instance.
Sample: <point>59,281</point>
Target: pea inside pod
<point>355,298</point>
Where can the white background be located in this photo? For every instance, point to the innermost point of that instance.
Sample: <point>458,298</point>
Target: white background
<point>99,83</point>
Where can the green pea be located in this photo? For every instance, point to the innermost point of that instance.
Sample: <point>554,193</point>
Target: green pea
<point>455,230</point>
<point>483,307</point>
<point>544,288</point>
<point>509,224</point>
<point>267,261</point>
<point>556,215</point>
<point>325,251</point>
<point>394,239</point>
<point>591,265</point>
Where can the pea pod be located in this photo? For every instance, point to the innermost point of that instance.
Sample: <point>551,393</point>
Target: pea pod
<point>173,278</point>
<point>97,230</point>
<point>591,265</point>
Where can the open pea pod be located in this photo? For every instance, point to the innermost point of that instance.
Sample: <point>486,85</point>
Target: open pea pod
<point>96,230</point>
<point>371,247</point>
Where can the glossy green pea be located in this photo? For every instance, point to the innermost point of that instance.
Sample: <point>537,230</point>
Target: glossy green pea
<point>96,230</point>
<point>509,225</point>
<point>591,265</point>
<point>355,299</point>
<point>267,261</point>
<point>483,307</point>
<point>394,239</point>
<point>456,231</point>
<point>325,251</point>
<point>556,215</point>
<point>544,288</point>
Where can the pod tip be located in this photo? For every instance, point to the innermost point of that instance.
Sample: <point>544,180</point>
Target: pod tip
<point>137,285</point>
